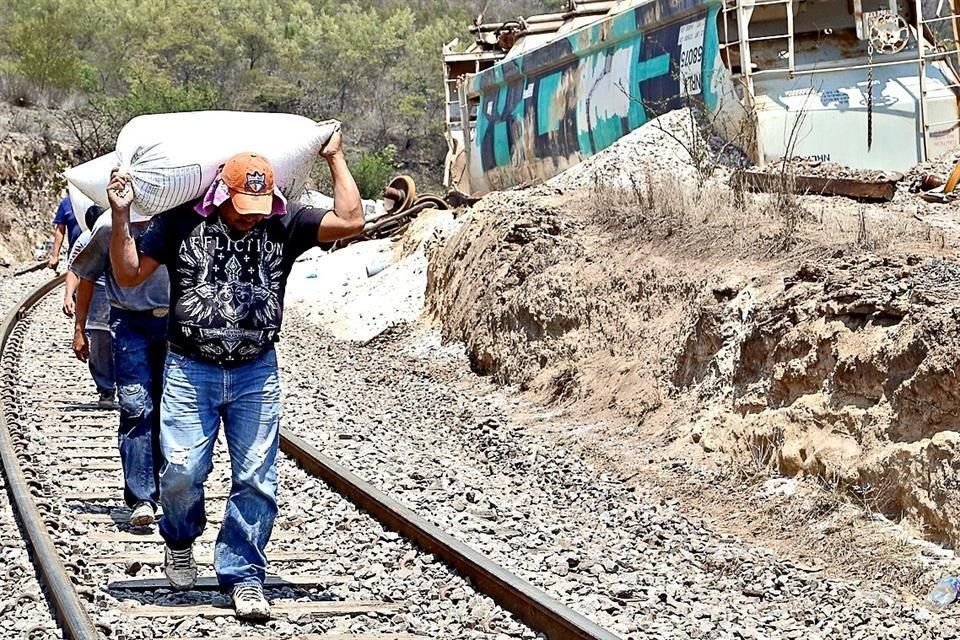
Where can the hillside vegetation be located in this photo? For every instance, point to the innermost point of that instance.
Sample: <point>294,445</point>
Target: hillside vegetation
<point>373,64</point>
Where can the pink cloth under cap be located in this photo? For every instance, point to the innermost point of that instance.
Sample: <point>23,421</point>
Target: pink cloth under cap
<point>218,193</point>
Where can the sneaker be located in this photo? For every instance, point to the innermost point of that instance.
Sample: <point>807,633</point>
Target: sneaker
<point>249,602</point>
<point>180,568</point>
<point>107,400</point>
<point>143,514</point>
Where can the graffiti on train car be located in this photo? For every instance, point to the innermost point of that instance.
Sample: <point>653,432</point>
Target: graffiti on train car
<point>593,96</point>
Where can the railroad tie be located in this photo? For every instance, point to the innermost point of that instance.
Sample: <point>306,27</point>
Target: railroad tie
<point>91,466</point>
<point>152,537</point>
<point>94,452</point>
<point>329,636</point>
<point>115,496</point>
<point>209,583</point>
<point>277,609</point>
<point>206,559</point>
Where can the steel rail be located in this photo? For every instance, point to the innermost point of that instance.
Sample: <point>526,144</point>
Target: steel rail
<point>64,600</point>
<point>33,266</point>
<point>531,605</point>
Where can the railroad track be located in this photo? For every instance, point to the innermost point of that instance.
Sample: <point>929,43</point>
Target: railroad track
<point>362,567</point>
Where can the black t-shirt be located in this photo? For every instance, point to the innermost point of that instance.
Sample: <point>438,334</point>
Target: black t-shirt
<point>226,288</point>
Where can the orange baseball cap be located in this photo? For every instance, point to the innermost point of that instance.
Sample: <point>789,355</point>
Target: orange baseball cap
<point>249,178</point>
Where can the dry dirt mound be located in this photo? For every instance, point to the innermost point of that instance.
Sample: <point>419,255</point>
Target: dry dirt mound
<point>842,367</point>
<point>541,306</point>
<point>848,373</point>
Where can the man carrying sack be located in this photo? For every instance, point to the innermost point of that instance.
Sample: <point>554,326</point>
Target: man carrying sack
<point>138,322</point>
<point>229,255</point>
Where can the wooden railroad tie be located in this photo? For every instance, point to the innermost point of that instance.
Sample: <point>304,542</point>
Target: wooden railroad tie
<point>331,636</point>
<point>319,608</point>
<point>204,559</point>
<point>152,537</point>
<point>208,583</point>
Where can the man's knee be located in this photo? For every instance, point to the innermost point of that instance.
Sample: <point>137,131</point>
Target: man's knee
<point>260,478</point>
<point>182,472</point>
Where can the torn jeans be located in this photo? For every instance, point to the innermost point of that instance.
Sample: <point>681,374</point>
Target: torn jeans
<point>139,349</point>
<point>197,396</point>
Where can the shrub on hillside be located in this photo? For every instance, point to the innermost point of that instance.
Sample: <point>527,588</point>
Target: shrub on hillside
<point>47,56</point>
<point>15,89</point>
<point>374,171</point>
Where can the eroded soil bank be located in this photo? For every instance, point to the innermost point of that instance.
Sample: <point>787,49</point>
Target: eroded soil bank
<point>30,184</point>
<point>725,340</point>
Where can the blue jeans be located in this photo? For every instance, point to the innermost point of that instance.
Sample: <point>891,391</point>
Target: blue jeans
<point>196,397</point>
<point>139,348</point>
<point>101,360</point>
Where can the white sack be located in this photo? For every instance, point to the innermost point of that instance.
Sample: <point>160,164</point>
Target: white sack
<point>174,157</point>
<point>96,172</point>
<point>79,203</point>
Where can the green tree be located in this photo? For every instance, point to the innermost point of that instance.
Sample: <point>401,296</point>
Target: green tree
<point>47,55</point>
<point>375,64</point>
<point>374,170</point>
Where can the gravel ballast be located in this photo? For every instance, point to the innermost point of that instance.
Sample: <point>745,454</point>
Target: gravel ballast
<point>23,605</point>
<point>403,413</point>
<point>369,563</point>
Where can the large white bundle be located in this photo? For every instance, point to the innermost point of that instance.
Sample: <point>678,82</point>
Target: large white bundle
<point>173,158</point>
<point>79,203</point>
<point>96,171</point>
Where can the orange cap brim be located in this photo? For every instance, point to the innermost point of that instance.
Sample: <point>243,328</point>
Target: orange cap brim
<point>247,204</point>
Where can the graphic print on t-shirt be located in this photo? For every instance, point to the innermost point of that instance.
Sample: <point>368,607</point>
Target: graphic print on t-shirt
<point>230,307</point>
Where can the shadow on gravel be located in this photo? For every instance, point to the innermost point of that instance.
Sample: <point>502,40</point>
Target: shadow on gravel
<point>83,407</point>
<point>208,593</point>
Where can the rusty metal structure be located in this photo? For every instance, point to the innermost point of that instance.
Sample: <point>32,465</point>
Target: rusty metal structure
<point>869,84</point>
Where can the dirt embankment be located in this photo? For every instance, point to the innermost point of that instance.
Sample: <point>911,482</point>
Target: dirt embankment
<point>30,185</point>
<point>541,305</point>
<point>847,373</point>
<point>756,340</point>
<point>33,155</point>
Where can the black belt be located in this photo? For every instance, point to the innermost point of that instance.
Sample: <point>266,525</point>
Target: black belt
<point>177,349</point>
<point>174,348</point>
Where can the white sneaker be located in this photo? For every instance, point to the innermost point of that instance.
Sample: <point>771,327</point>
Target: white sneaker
<point>249,602</point>
<point>143,514</point>
<point>180,568</point>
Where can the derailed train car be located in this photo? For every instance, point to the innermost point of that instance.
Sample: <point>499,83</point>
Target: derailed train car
<point>869,84</point>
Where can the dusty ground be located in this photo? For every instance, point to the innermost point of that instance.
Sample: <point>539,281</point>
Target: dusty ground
<point>707,339</point>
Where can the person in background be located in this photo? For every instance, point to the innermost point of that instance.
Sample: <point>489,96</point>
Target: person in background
<point>138,324</point>
<point>64,225</point>
<point>229,255</point>
<point>97,350</point>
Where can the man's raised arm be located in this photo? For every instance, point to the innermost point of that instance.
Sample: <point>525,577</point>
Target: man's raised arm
<point>129,268</point>
<point>347,216</point>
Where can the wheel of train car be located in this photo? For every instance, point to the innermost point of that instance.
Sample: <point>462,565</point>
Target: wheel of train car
<point>431,200</point>
<point>953,180</point>
<point>889,34</point>
<point>408,194</point>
